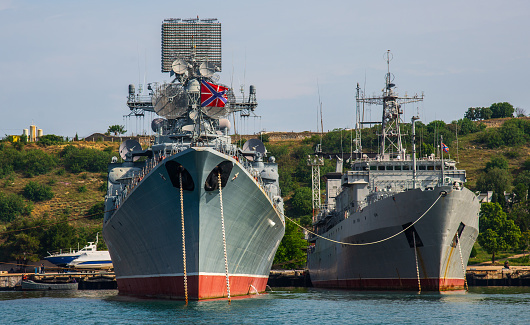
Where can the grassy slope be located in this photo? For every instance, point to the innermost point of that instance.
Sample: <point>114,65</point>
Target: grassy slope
<point>472,158</point>
<point>67,199</point>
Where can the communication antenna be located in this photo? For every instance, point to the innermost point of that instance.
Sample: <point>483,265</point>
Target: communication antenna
<point>319,146</point>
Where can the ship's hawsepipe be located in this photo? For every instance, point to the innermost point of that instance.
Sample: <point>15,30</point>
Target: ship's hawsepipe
<point>158,158</point>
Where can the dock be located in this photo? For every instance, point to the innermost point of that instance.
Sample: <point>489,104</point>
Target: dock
<point>86,280</point>
<point>493,275</point>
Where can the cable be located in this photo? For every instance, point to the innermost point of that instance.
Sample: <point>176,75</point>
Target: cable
<point>371,243</point>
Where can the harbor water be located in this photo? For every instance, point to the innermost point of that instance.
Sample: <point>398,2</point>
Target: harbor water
<point>481,305</point>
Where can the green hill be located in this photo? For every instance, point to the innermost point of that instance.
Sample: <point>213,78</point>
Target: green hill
<point>75,175</point>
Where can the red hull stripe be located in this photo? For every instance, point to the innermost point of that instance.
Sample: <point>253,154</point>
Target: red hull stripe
<point>199,287</point>
<point>433,284</point>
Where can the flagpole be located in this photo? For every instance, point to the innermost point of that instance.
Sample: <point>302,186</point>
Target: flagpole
<point>442,153</point>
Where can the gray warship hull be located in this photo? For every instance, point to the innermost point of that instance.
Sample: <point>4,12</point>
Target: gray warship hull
<point>433,251</point>
<point>145,236</point>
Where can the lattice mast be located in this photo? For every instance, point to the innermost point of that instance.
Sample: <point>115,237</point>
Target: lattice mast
<point>390,134</point>
<point>359,119</point>
<point>315,162</point>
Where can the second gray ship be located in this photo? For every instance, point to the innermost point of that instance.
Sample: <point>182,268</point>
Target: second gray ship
<point>394,221</point>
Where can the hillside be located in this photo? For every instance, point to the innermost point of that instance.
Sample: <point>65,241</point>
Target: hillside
<point>76,173</point>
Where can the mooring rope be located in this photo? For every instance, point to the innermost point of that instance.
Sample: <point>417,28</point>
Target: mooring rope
<point>416,257</point>
<point>462,261</point>
<point>371,243</point>
<point>183,240</point>
<point>224,237</point>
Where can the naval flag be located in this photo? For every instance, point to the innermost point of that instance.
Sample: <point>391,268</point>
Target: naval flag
<point>445,148</point>
<point>213,95</point>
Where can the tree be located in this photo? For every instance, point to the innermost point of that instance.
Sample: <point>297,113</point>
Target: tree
<point>472,114</point>
<point>497,180</point>
<point>497,232</point>
<point>485,113</point>
<point>503,109</point>
<point>116,129</point>
<point>520,112</point>
<point>292,250</point>
<point>497,162</point>
<point>302,202</point>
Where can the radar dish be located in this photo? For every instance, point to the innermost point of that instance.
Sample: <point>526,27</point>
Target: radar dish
<point>254,145</point>
<point>207,69</point>
<point>128,146</point>
<point>170,100</point>
<point>179,66</point>
<point>157,123</point>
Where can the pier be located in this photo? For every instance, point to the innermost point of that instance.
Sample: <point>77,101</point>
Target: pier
<point>490,275</point>
<point>86,280</point>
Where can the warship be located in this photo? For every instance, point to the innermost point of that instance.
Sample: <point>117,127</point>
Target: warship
<point>393,221</point>
<point>193,216</point>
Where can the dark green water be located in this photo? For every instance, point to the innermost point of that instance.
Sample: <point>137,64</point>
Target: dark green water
<point>481,305</point>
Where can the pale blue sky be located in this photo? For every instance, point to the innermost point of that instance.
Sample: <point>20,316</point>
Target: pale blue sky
<point>66,65</point>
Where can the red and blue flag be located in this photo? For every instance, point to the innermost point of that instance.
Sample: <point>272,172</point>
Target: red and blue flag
<point>445,148</point>
<point>213,95</point>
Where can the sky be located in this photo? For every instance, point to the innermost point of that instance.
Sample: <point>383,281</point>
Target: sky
<point>65,65</point>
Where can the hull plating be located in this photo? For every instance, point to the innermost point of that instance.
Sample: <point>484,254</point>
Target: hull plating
<point>392,263</point>
<point>144,236</point>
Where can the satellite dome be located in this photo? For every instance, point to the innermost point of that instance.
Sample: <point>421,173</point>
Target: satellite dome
<point>224,124</point>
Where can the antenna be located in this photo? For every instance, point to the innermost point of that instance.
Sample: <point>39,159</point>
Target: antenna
<point>319,147</point>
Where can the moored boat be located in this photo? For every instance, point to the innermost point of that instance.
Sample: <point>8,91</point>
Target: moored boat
<point>394,221</point>
<point>30,285</point>
<point>199,217</point>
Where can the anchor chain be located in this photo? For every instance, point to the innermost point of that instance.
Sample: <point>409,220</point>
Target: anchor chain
<point>224,237</point>
<point>183,240</point>
<point>416,257</point>
<point>462,262</point>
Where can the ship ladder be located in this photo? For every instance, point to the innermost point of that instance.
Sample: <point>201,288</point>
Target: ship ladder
<point>416,257</point>
<point>183,240</point>
<point>224,236</point>
<point>462,261</point>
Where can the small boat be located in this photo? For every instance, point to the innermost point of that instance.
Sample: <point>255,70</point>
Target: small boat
<point>29,285</point>
<point>63,259</point>
<point>91,258</point>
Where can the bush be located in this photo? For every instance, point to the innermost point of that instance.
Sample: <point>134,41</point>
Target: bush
<point>35,162</point>
<point>79,160</point>
<point>496,162</point>
<point>12,206</point>
<point>50,139</point>
<point>8,157</point>
<point>492,138</point>
<point>37,192</point>
<point>96,211</point>
<point>82,189</point>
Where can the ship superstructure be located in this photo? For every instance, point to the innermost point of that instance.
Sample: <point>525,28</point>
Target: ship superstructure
<point>193,216</point>
<point>393,221</point>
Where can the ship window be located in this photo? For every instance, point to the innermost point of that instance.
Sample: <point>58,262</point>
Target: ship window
<point>390,167</point>
<point>212,183</point>
<point>421,167</point>
<point>380,167</point>
<point>437,167</point>
<point>430,167</point>
<point>373,167</point>
<point>406,167</point>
